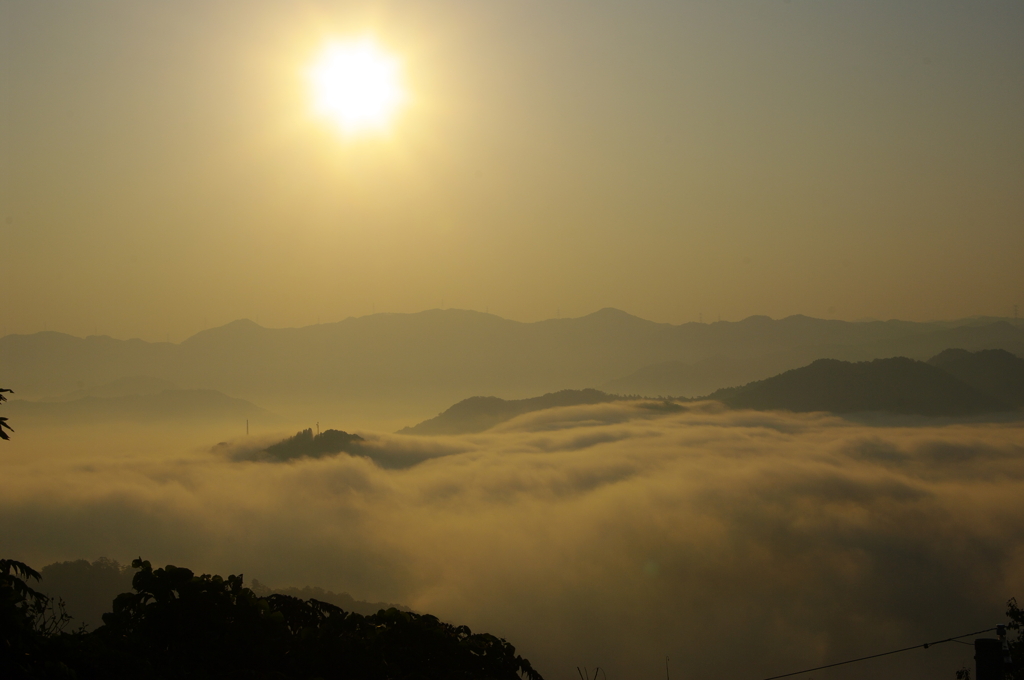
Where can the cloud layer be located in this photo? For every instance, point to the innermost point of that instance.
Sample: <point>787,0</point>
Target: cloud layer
<point>738,544</point>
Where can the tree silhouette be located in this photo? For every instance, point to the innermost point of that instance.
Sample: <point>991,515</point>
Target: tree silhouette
<point>3,420</point>
<point>29,622</point>
<point>1016,616</point>
<point>179,625</point>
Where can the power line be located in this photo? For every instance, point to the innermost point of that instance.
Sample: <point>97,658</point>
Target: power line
<point>926,645</point>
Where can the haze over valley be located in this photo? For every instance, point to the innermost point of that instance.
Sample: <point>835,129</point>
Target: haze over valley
<point>577,523</point>
<point>511,341</point>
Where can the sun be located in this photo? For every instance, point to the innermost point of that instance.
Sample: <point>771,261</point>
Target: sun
<point>356,85</point>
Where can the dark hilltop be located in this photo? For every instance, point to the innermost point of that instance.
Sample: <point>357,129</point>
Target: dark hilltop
<point>954,383</point>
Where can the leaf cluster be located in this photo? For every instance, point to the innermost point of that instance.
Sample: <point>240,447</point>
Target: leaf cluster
<point>3,420</point>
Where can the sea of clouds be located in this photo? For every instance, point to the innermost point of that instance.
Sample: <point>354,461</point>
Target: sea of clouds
<point>737,544</point>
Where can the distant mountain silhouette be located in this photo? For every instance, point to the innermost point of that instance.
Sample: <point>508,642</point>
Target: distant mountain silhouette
<point>87,588</point>
<point>993,372</point>
<point>680,379</point>
<point>122,387</point>
<point>434,358</point>
<point>898,385</point>
<point>305,444</point>
<point>168,405</point>
<point>953,383</point>
<point>343,600</point>
<point>477,414</point>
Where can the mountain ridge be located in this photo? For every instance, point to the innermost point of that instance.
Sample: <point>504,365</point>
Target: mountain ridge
<point>437,357</point>
<point>896,385</point>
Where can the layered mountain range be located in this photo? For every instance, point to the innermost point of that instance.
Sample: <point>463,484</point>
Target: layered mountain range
<point>438,357</point>
<point>953,383</point>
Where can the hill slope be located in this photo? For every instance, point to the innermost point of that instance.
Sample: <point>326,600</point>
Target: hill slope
<point>897,385</point>
<point>993,372</point>
<point>681,379</point>
<point>477,414</point>
<point>305,444</point>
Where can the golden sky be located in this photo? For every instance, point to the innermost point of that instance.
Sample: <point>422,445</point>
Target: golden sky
<point>162,169</point>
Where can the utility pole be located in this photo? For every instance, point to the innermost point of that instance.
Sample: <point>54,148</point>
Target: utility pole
<point>247,427</point>
<point>992,657</point>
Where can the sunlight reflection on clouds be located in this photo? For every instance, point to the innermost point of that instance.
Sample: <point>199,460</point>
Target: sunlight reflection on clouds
<point>611,533</point>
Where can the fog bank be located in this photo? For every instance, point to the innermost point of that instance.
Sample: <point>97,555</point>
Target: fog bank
<point>739,544</point>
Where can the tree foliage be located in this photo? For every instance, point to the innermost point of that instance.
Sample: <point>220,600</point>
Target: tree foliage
<point>176,624</point>
<point>1016,616</point>
<point>3,420</point>
<point>30,623</point>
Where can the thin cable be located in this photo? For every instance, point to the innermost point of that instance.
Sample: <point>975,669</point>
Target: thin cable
<point>926,645</point>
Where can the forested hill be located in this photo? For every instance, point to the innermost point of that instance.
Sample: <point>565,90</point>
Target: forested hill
<point>993,372</point>
<point>477,414</point>
<point>305,444</point>
<point>953,383</point>
<point>896,385</point>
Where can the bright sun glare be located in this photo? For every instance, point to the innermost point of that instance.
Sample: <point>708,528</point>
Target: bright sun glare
<point>356,85</point>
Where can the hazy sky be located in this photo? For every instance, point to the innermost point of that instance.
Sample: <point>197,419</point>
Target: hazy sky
<point>162,170</point>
